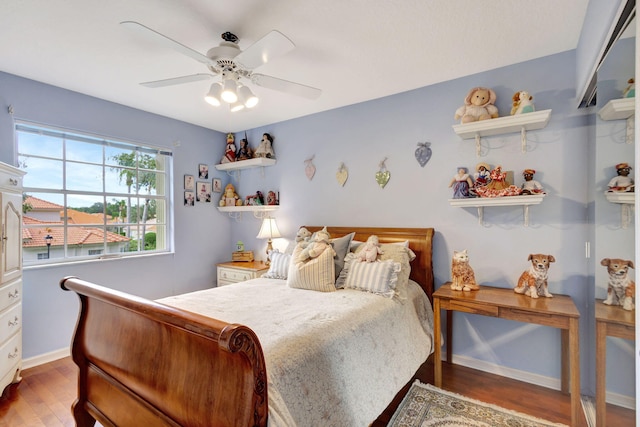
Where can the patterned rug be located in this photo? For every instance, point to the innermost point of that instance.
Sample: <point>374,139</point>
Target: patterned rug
<point>427,406</point>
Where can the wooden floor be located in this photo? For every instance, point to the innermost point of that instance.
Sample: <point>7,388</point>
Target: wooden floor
<point>45,395</point>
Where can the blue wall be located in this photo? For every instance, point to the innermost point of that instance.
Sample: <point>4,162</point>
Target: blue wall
<point>361,136</point>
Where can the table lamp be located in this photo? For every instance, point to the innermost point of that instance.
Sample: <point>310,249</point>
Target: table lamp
<point>268,230</point>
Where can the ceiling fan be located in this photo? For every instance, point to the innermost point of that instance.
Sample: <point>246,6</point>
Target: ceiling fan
<point>233,66</point>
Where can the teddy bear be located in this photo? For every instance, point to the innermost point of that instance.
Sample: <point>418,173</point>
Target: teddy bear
<point>230,197</point>
<point>478,105</point>
<point>370,250</point>
<point>522,103</point>
<point>317,246</point>
<point>303,236</point>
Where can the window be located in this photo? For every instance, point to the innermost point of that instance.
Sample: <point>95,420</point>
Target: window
<point>89,197</point>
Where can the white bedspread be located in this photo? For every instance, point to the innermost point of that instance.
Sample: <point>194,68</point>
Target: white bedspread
<point>333,359</point>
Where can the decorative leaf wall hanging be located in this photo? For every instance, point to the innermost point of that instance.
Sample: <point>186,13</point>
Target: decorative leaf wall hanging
<point>383,175</point>
<point>309,169</point>
<point>423,153</point>
<point>342,175</point>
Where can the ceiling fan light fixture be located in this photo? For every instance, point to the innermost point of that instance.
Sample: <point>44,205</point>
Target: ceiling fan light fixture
<point>247,97</point>
<point>213,96</point>
<point>229,93</point>
<point>236,106</point>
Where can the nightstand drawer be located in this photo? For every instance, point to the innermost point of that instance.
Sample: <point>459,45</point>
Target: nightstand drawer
<point>230,275</point>
<point>471,307</point>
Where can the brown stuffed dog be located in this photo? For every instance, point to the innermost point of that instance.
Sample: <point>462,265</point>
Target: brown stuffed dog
<point>533,282</point>
<point>620,289</point>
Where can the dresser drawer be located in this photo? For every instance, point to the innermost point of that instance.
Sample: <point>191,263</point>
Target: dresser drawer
<point>231,275</point>
<point>11,354</point>
<point>10,322</point>
<point>10,294</point>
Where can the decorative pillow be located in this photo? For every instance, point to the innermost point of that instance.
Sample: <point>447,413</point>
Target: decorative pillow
<point>316,274</point>
<point>397,253</point>
<point>376,277</point>
<point>342,277</point>
<point>355,244</point>
<point>279,267</point>
<point>341,245</point>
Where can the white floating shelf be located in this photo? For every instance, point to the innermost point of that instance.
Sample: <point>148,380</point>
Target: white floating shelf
<point>245,164</point>
<point>501,125</point>
<point>258,211</point>
<point>481,202</point>
<point>622,198</point>
<point>618,109</point>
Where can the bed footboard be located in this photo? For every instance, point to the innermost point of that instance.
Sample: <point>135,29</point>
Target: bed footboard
<point>144,363</point>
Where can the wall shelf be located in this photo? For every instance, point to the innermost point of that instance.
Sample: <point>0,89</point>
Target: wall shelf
<point>245,164</point>
<point>618,109</point>
<point>481,202</point>
<point>259,212</point>
<point>626,201</point>
<point>502,125</point>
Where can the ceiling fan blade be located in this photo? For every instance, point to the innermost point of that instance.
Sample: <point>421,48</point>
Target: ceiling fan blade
<point>286,86</point>
<point>166,41</point>
<point>270,46</point>
<point>177,80</point>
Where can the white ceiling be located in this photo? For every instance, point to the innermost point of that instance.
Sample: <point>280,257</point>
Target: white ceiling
<point>354,50</point>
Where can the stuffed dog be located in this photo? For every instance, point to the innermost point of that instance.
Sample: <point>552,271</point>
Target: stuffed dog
<point>533,282</point>
<point>620,289</point>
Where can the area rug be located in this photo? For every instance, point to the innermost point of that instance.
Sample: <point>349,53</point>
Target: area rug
<point>427,406</point>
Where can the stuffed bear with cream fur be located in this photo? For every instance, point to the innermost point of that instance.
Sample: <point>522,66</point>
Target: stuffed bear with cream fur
<point>370,250</point>
<point>522,103</point>
<point>478,105</point>
<point>303,236</point>
<point>317,246</point>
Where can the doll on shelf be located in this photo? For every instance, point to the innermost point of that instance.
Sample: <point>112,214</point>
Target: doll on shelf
<point>499,186</point>
<point>230,150</point>
<point>530,185</point>
<point>622,183</point>
<point>244,152</point>
<point>461,183</point>
<point>265,149</point>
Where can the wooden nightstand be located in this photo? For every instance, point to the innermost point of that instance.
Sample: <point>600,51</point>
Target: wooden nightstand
<point>615,322</point>
<point>558,312</point>
<point>234,272</point>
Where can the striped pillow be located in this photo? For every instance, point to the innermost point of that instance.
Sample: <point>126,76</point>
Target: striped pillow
<point>377,277</point>
<point>279,266</point>
<point>316,274</point>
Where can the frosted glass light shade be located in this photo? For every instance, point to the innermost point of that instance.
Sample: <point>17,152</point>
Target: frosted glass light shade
<point>213,96</point>
<point>229,92</point>
<point>247,97</point>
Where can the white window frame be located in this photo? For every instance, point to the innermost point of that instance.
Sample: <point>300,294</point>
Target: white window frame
<point>163,192</point>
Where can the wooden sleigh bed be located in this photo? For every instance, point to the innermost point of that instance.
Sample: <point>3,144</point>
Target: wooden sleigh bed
<point>146,363</point>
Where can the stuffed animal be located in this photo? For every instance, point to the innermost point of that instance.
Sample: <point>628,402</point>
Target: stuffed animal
<point>462,276</point>
<point>534,281</point>
<point>620,289</point>
<point>630,90</point>
<point>370,250</point>
<point>303,236</point>
<point>478,105</point>
<point>230,197</point>
<point>522,103</point>
<point>318,245</point>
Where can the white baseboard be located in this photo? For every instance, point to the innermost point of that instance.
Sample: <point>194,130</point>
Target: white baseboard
<point>45,358</point>
<point>617,399</point>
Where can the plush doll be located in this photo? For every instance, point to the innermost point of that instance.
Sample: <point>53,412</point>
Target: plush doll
<point>230,197</point>
<point>318,245</point>
<point>522,103</point>
<point>230,150</point>
<point>303,236</point>
<point>370,250</point>
<point>478,105</point>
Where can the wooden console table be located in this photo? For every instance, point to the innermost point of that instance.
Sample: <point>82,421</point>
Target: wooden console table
<point>615,322</point>
<point>557,312</point>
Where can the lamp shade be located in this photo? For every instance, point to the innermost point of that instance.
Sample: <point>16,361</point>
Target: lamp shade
<point>247,97</point>
<point>229,94</point>
<point>213,97</point>
<point>269,229</point>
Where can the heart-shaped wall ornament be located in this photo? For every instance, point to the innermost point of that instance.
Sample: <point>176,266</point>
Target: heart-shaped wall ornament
<point>342,175</point>
<point>423,153</point>
<point>309,169</point>
<point>383,175</point>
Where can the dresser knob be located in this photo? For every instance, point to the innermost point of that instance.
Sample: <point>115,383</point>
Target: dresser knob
<point>14,354</point>
<point>15,322</point>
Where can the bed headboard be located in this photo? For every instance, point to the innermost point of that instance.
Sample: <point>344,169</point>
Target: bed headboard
<point>420,241</point>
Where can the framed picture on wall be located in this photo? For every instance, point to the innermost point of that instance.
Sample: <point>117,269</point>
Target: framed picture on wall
<point>203,192</point>
<point>217,185</point>
<point>189,182</point>
<point>189,198</point>
<point>203,171</point>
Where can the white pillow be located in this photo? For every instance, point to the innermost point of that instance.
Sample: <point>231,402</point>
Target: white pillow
<point>396,252</point>
<point>279,267</point>
<point>376,277</point>
<point>316,274</point>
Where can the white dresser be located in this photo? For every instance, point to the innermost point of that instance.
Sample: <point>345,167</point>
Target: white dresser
<point>10,275</point>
